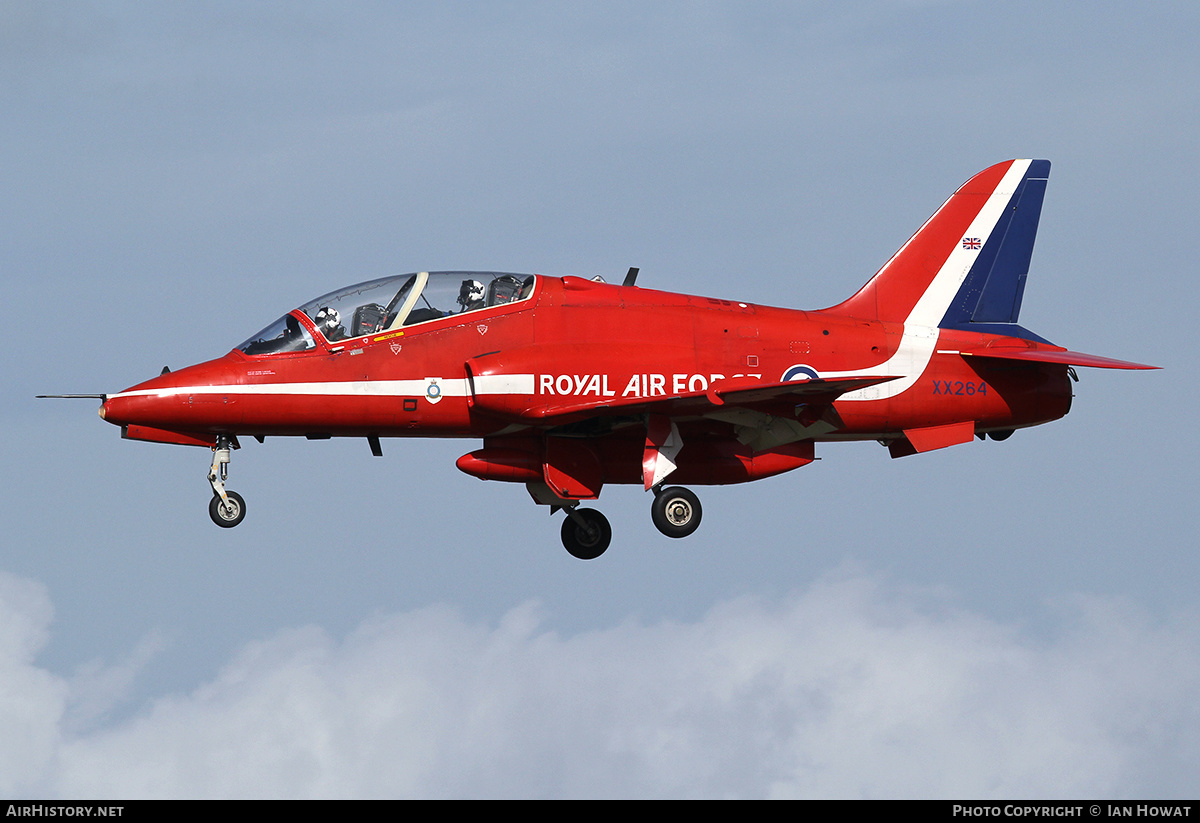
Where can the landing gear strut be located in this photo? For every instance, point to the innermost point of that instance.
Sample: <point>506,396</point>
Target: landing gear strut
<point>227,508</point>
<point>586,533</point>
<point>676,511</point>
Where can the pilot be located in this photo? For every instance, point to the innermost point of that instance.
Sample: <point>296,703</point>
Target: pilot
<point>470,295</point>
<point>329,323</point>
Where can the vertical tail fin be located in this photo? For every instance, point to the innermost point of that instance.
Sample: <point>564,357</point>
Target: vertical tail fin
<point>966,267</point>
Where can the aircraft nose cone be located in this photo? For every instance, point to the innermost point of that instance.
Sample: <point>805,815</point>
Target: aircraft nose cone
<point>166,401</point>
<point>115,410</point>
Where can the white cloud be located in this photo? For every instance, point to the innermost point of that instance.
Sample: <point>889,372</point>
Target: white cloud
<point>31,700</point>
<point>848,689</point>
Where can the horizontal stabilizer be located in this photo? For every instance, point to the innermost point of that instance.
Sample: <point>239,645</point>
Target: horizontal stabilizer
<point>1066,358</point>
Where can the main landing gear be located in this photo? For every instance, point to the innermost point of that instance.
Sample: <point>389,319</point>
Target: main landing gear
<point>227,508</point>
<point>676,511</point>
<point>586,533</point>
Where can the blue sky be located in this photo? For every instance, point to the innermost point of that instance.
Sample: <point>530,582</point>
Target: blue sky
<point>996,619</point>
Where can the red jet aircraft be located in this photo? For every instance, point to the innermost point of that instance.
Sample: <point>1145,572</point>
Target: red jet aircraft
<point>574,383</point>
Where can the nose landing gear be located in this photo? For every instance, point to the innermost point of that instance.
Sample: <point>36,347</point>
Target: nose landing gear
<point>227,508</point>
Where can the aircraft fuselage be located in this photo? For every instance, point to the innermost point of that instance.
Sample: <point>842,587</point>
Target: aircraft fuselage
<point>578,347</point>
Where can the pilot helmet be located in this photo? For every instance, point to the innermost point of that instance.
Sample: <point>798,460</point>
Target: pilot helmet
<point>470,292</point>
<point>327,320</point>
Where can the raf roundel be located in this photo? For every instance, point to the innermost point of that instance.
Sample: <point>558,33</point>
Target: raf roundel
<point>800,373</point>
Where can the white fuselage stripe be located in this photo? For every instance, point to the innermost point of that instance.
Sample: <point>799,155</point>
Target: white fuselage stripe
<point>504,384</point>
<point>457,387</point>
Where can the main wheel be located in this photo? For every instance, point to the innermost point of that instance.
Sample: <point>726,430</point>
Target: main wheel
<point>227,515</point>
<point>586,542</point>
<point>676,512</point>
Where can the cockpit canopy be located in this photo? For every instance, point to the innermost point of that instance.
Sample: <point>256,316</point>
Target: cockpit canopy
<point>390,303</point>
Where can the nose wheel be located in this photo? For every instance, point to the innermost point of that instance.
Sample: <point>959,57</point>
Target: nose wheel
<point>227,508</point>
<point>676,511</point>
<point>229,512</point>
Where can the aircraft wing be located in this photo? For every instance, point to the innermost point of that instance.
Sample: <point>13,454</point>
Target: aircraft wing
<point>814,392</point>
<point>723,396</point>
<point>503,384</point>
